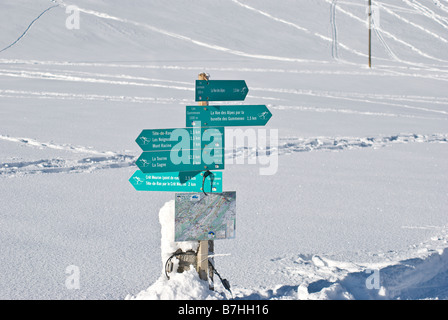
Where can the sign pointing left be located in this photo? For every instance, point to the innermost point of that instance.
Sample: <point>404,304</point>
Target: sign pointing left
<point>167,139</point>
<point>176,182</point>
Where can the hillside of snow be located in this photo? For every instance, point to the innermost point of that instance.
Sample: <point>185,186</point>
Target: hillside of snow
<point>361,187</point>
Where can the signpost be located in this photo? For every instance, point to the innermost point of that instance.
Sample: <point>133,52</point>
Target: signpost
<point>228,116</point>
<point>221,90</point>
<point>180,160</point>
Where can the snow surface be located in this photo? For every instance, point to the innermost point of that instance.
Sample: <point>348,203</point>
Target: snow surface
<point>362,180</point>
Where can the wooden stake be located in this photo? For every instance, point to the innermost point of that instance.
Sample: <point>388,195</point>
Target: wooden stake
<point>205,247</point>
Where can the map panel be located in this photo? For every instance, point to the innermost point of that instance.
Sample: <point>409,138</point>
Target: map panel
<point>205,217</point>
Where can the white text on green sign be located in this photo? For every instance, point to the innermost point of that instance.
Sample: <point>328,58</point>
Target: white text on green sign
<point>175,182</point>
<point>182,157</point>
<point>227,115</point>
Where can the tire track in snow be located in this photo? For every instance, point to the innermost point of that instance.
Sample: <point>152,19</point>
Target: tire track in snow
<point>98,160</point>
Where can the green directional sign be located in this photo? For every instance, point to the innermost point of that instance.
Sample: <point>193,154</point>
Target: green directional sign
<point>221,90</point>
<point>173,182</point>
<point>167,139</point>
<point>210,158</point>
<point>216,116</point>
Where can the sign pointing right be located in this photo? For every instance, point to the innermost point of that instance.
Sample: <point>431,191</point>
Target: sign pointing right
<point>223,116</point>
<point>221,90</point>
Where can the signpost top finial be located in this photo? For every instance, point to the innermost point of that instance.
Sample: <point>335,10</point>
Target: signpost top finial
<point>203,76</point>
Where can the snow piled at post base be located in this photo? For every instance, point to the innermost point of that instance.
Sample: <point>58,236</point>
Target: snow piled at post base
<point>423,276</point>
<point>180,286</point>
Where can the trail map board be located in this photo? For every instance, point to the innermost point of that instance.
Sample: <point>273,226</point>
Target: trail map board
<point>200,217</point>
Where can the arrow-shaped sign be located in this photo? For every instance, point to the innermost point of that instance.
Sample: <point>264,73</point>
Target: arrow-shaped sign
<point>216,116</point>
<point>166,139</point>
<point>183,160</point>
<point>173,182</point>
<point>178,150</point>
<point>221,90</point>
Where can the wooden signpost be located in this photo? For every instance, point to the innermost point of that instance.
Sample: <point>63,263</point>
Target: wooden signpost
<point>206,247</point>
<point>180,159</point>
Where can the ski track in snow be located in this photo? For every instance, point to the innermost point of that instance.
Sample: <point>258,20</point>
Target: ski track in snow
<point>28,28</point>
<point>99,160</point>
<point>334,34</point>
<point>174,35</point>
<point>128,80</point>
<point>63,77</point>
<point>391,12</point>
<point>96,159</point>
<point>349,96</point>
<point>441,6</point>
<point>392,36</point>
<point>443,21</point>
<point>433,73</point>
<point>296,26</point>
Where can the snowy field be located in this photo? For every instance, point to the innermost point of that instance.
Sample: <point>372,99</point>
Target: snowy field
<point>361,190</point>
